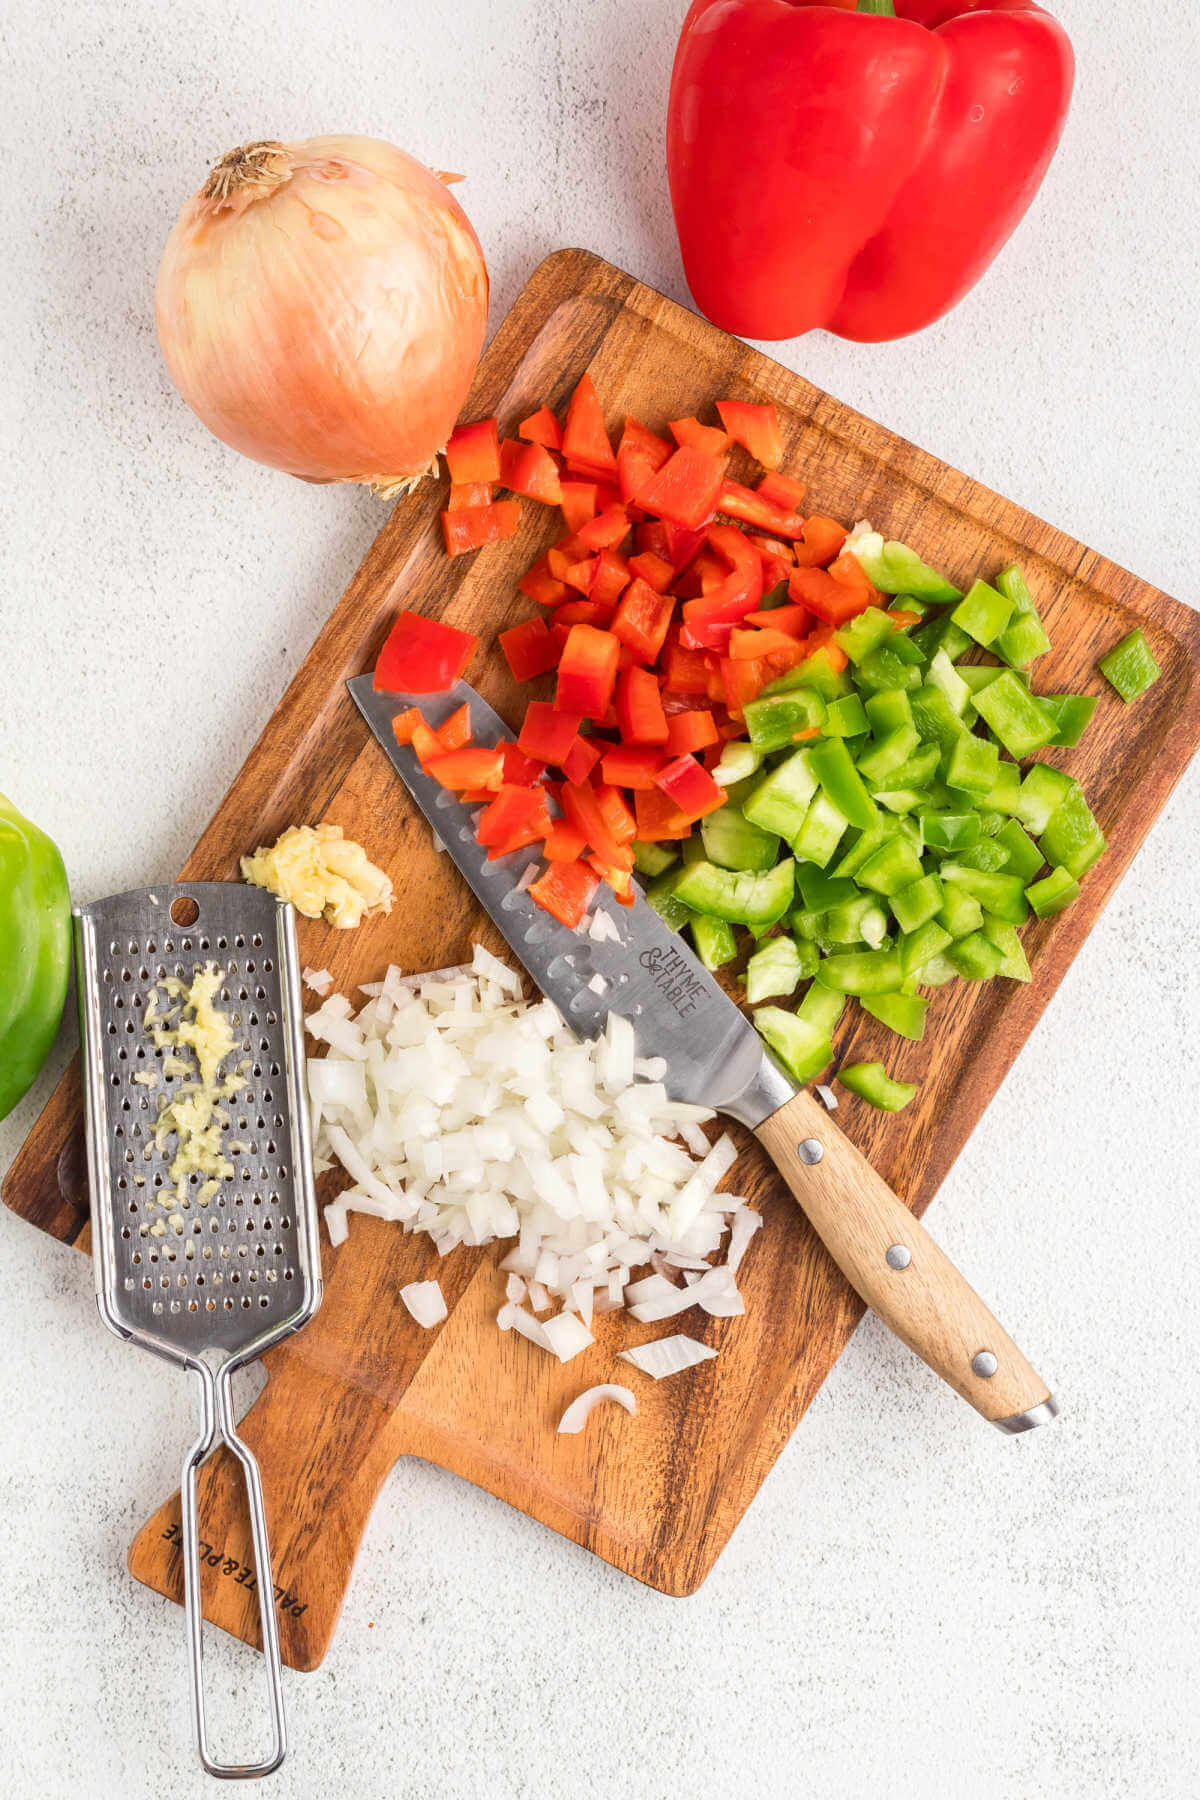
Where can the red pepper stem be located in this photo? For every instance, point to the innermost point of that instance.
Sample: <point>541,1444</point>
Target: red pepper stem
<point>883,8</point>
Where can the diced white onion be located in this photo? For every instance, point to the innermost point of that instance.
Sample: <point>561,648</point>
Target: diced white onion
<point>603,928</point>
<point>580,1409</point>
<point>669,1355</point>
<point>425,1302</point>
<point>827,1096</point>
<point>567,1335</point>
<point>319,980</point>
<point>742,1226</point>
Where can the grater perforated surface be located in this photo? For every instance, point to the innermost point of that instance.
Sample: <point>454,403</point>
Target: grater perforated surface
<point>220,1272</point>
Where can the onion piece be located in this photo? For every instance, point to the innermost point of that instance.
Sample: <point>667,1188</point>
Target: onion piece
<point>567,1335</point>
<point>668,1356</point>
<point>580,1409</point>
<point>425,1301</point>
<point>827,1096</point>
<point>319,980</point>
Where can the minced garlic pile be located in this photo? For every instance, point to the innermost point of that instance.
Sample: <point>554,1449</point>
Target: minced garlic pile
<point>195,1115</point>
<point>321,873</point>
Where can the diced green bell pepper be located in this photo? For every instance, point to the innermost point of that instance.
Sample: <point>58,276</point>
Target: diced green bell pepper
<point>943,674</point>
<point>951,830</point>
<point>846,718</point>
<point>917,903</point>
<point>1052,893</point>
<point>901,1013</point>
<point>739,897</point>
<point>887,667</point>
<point>821,1006</point>
<point>1072,840</point>
<point>692,849</point>
<point>820,891</point>
<point>895,569</point>
<point>780,800</point>
<point>778,968</point>
<point>909,603</point>
<point>940,634</point>
<point>872,1083</point>
<point>1014,715</point>
<point>917,772</point>
<point>959,912</point>
<point>987,854</point>
<point>842,783</point>
<point>1024,637</point>
<point>777,722</point>
<point>1072,714</point>
<point>1008,942</point>
<point>714,940</point>
<point>888,710</point>
<point>858,921</point>
<point>803,1049</point>
<point>732,842</point>
<point>892,752</point>
<point>972,764</point>
<point>1042,792</point>
<point>977,675</point>
<point>653,859</point>
<point>936,972</point>
<point>816,671</point>
<point>1024,857</point>
<point>975,956</point>
<point>901,800</point>
<point>863,971</point>
<point>1130,666</point>
<point>893,866</point>
<point>864,633</point>
<point>1002,894</point>
<point>864,845</point>
<point>821,830</point>
<point>1004,795</point>
<point>35,951</point>
<point>661,893</point>
<point>739,760</point>
<point>982,612</point>
<point>920,946</point>
<point>936,720</point>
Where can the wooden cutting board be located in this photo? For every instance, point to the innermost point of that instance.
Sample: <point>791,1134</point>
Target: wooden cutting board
<point>659,1495</point>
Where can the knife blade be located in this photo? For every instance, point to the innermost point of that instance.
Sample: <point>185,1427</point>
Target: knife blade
<point>715,1058</point>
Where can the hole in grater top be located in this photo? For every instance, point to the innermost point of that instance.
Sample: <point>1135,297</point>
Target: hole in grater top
<point>184,910</point>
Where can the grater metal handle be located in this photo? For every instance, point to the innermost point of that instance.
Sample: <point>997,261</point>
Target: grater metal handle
<point>217,1421</point>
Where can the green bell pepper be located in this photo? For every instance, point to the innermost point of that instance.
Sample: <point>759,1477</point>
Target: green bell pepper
<point>914,905</point>
<point>858,921</point>
<point>821,830</point>
<point>780,800</point>
<point>1024,637</point>
<point>737,896</point>
<point>714,940</point>
<point>35,951</point>
<point>919,947</point>
<point>1052,893</point>
<point>1007,940</point>
<point>1024,857</point>
<point>778,968</point>
<point>1042,792</point>
<point>959,912</point>
<point>846,718</point>
<point>975,956</point>
<point>842,783</point>
<point>864,633</point>
<point>661,893</point>
<point>943,674</point>
<point>895,569</point>
<point>983,612</point>
<point>803,1049</point>
<point>816,671</point>
<point>820,891</point>
<point>739,760</point>
<point>987,854</point>
<point>1072,840</point>
<point>901,1013</point>
<point>893,866</point>
<point>892,665</point>
<point>821,1006</point>
<point>1002,894</point>
<point>888,710</point>
<point>863,971</point>
<point>1130,666</point>
<point>1014,715</point>
<point>936,720</point>
<point>732,842</point>
<point>940,634</point>
<point>951,830</point>
<point>1072,714</point>
<point>972,764</point>
<point>872,1083</point>
<point>653,859</point>
<point>890,753</point>
<point>778,721</point>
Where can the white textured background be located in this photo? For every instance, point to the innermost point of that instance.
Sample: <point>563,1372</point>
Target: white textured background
<point>913,1608</point>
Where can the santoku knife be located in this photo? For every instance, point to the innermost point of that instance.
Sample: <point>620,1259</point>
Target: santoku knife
<point>715,1058</point>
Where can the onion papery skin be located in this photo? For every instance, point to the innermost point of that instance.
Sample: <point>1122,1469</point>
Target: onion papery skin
<point>321,306</point>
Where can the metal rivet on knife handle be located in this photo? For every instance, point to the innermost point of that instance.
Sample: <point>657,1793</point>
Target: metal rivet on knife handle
<point>984,1364</point>
<point>898,1256</point>
<point>810,1151</point>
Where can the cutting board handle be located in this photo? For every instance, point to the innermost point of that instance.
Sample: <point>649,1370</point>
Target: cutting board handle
<point>894,1265</point>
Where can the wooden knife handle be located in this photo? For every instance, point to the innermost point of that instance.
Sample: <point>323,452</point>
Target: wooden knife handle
<point>893,1264</point>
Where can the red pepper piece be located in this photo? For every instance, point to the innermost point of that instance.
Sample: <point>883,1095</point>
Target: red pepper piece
<point>738,502</point>
<point>642,619</point>
<point>564,845</point>
<point>606,530</point>
<point>616,813</point>
<point>742,682</point>
<point>587,671</point>
<point>583,612</point>
<point>405,723</point>
<point>541,427</point>
<point>658,817</point>
<point>822,542</point>
<point>546,733</point>
<point>689,731</point>
<point>424,742</point>
<point>466,494</point>
<point>531,470</point>
<point>478,525</point>
<point>541,585</point>
<point>565,891</point>
<point>514,812</point>
<point>581,809</point>
<point>640,715</point>
<point>529,649</point>
<point>827,597</point>
<point>640,455</point>
<point>902,620</point>
<point>686,489</point>
<point>520,770</point>
<point>749,646</point>
<point>755,427</point>
<point>782,490</point>
<point>690,787</point>
<point>652,538</point>
<point>578,502</point>
<point>578,575</point>
<point>685,669</point>
<point>610,578</point>
<point>823,642</point>
<point>474,767</point>
<point>654,570</point>
<point>795,620</point>
<point>585,441</point>
<point>707,621</point>
<point>455,732</point>
<point>619,880</point>
<point>422,656</point>
<point>703,437</point>
<point>632,766</point>
<point>581,759</point>
<point>473,453</point>
<point>874,166</point>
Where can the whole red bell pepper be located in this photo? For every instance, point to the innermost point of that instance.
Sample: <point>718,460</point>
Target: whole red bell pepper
<point>856,171</point>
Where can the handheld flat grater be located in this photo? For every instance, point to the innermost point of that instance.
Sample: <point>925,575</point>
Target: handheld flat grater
<point>208,1272</point>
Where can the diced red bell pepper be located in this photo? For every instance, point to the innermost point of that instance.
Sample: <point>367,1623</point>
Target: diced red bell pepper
<point>783,491</point>
<point>405,723</point>
<point>606,530</point>
<point>610,578</point>
<point>615,811</point>
<point>828,599</point>
<point>776,557</point>
<point>738,502</point>
<point>529,649</point>
<point>847,569</point>
<point>619,880</point>
<point>587,671</point>
<point>581,759</point>
<point>643,618</point>
<point>742,682</point>
<point>658,817</point>
<point>585,441</point>
<point>583,612</point>
<point>578,575</point>
<point>685,669</point>
<point>755,428</point>
<point>424,742</point>
<point>822,642</point>
<point>682,544</point>
<point>902,620</point>
<point>541,427</point>
<point>581,809</point>
<point>520,770</point>
<point>686,489</point>
<point>640,455</point>
<point>652,538</point>
<point>530,469</point>
<point>690,787</point>
<point>479,525</point>
<point>474,767</point>
<point>707,621</point>
<point>455,732</point>
<point>564,845</point>
<point>705,572</point>
<point>541,585</point>
<point>822,541</point>
<point>473,453</point>
<point>747,646</point>
<point>565,891</point>
<point>466,494</point>
<point>514,811</point>
<point>546,733</point>
<point>702,437</point>
<point>654,570</point>
<point>632,766</point>
<point>795,620</point>
<point>422,656</point>
<point>640,715</point>
<point>578,502</point>
<point>689,731</point>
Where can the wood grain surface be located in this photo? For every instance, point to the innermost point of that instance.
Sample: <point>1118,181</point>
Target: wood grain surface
<point>659,1495</point>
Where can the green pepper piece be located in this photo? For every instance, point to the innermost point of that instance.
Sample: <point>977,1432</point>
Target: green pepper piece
<point>943,674</point>
<point>1014,715</point>
<point>843,784</point>
<point>652,859</point>
<point>892,752</point>
<point>820,891</point>
<point>35,951</point>
<point>821,1006</point>
<point>1130,666</point>
<point>972,764</point>
<point>920,947</point>
<point>1024,857</point>
<point>901,1013</point>
<point>914,905</point>
<point>821,830</point>
<point>895,569</point>
<point>1004,795</point>
<point>978,675</point>
<point>917,772</point>
<point>739,760</point>
<point>1072,840</point>
<point>864,633</point>
<point>803,1049</point>
<point>663,898</point>
<point>940,634</point>
<point>987,855</point>
<point>888,710</point>
<point>738,896</point>
<point>951,830</point>
<point>982,613</point>
<point>1052,893</point>
<point>778,968</point>
<point>1072,714</point>
<point>936,720</point>
<point>864,845</point>
<point>975,956</point>
<point>1042,792</point>
<point>732,842</point>
<point>1002,894</point>
<point>887,667</point>
<point>816,671</point>
<point>1024,638</point>
<point>858,921</point>
<point>714,940</point>
<point>780,800</point>
<point>863,971</point>
<point>893,866</point>
<point>909,603</point>
<point>1008,942</point>
<point>691,849</point>
<point>901,800</point>
<point>846,718</point>
<point>959,912</point>
<point>872,1083</point>
<point>776,722</point>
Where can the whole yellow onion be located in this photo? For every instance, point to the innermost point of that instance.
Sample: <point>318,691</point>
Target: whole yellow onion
<point>321,306</point>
